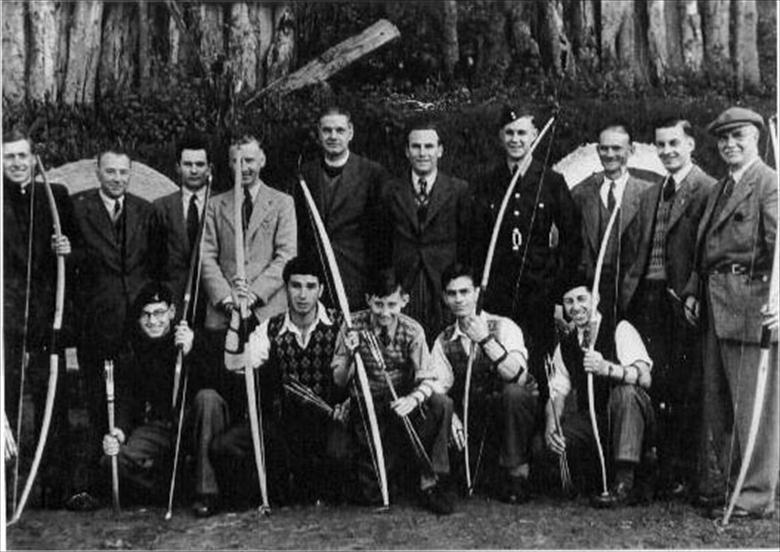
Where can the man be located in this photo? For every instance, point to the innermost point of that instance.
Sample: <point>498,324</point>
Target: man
<point>402,354</point>
<point>597,197</point>
<point>532,266</point>
<point>293,351</point>
<point>503,396</point>
<point>347,190</point>
<point>431,215</point>
<point>621,369</point>
<point>735,247</point>
<point>29,247</point>
<point>178,217</point>
<point>269,240</point>
<point>145,430</point>
<point>663,267</point>
<point>116,259</point>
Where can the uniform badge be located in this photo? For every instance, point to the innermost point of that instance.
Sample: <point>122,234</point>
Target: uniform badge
<point>517,239</point>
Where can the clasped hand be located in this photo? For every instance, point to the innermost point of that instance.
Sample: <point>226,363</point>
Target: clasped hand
<point>60,245</point>
<point>184,337</point>
<point>594,363</point>
<point>111,442</point>
<point>475,327</point>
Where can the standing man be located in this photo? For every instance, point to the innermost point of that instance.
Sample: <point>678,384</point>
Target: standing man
<point>532,266</point>
<point>431,215</point>
<point>347,190</point>
<point>663,268</point>
<point>178,217</point>
<point>735,248</point>
<point>29,245</point>
<point>597,197</point>
<point>116,259</point>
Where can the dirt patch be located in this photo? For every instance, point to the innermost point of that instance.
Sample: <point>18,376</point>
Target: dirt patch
<point>477,523</point>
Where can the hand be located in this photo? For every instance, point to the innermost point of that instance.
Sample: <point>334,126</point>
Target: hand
<point>404,405</point>
<point>227,307</point>
<point>184,337</point>
<point>554,441</point>
<point>594,363</point>
<point>692,310</point>
<point>111,442</point>
<point>352,340</point>
<point>60,246</point>
<point>563,327</point>
<point>240,292</point>
<point>341,411</point>
<point>770,316</point>
<point>457,434</point>
<point>475,327</point>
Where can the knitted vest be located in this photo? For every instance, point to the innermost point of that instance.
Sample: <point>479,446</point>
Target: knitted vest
<point>484,381</point>
<point>573,356</point>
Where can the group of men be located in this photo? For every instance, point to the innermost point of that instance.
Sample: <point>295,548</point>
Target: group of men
<point>553,375</point>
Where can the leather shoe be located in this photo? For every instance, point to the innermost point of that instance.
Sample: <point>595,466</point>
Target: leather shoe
<point>516,490</point>
<point>621,494</point>
<point>437,501</point>
<point>205,506</point>
<point>738,514</point>
<point>82,502</point>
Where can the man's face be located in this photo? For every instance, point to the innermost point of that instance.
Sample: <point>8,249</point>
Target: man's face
<point>384,310</point>
<point>252,161</point>
<point>335,132</point>
<point>423,151</point>
<point>674,147</point>
<point>517,138</point>
<point>576,305</point>
<point>113,172</point>
<point>156,318</point>
<point>738,146</point>
<point>303,293</point>
<point>460,296</point>
<point>17,162</point>
<point>614,150</point>
<point>193,168</point>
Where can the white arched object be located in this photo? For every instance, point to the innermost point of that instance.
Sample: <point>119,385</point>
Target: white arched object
<point>584,161</point>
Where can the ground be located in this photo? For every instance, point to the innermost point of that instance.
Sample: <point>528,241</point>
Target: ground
<point>477,523</point>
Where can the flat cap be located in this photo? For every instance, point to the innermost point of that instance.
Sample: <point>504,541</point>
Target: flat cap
<point>735,117</point>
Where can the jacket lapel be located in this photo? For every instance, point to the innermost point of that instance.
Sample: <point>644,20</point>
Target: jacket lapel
<point>407,202</point>
<point>262,208</point>
<point>100,220</point>
<point>629,204</point>
<point>439,196</point>
<point>341,192</point>
<point>590,214</point>
<point>178,217</point>
<point>681,199</point>
<point>741,191</point>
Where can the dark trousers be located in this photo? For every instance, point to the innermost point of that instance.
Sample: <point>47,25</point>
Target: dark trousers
<point>91,372</point>
<point>676,389</point>
<point>432,422</point>
<point>534,312</point>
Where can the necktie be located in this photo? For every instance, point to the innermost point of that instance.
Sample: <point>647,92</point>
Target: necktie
<point>669,188</point>
<point>728,189</point>
<point>611,196</point>
<point>422,194</point>
<point>247,208</point>
<point>117,211</point>
<point>192,220</point>
<point>384,336</point>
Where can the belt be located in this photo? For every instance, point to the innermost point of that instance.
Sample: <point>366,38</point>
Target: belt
<point>739,269</point>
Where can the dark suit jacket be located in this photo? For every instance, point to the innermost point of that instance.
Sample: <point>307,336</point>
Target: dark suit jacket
<point>174,244</point>
<point>586,196</point>
<point>687,210</point>
<point>44,261</point>
<point>743,233</point>
<point>354,220</point>
<point>442,238</point>
<point>111,273</point>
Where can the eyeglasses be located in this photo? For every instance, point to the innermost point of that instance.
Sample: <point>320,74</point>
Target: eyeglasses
<point>157,314</point>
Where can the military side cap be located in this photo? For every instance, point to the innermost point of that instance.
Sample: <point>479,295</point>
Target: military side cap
<point>153,292</point>
<point>735,117</point>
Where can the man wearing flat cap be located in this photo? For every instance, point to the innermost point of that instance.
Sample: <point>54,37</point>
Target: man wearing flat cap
<point>539,241</point>
<point>735,247</point>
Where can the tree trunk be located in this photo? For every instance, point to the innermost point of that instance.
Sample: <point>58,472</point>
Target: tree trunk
<point>672,17</point>
<point>282,51</point>
<point>14,51</point>
<point>584,33</point>
<point>559,47</point>
<point>450,49</point>
<point>262,17</point>
<point>526,48</point>
<point>657,39</point>
<point>497,59</point>
<point>83,52</point>
<point>716,35</point>
<point>242,49</point>
<point>144,48</point>
<point>64,18</point>
<point>120,42</point>
<point>618,42</point>
<point>42,78</point>
<point>746,46</point>
<point>692,40</point>
<point>174,41</point>
<point>211,24</point>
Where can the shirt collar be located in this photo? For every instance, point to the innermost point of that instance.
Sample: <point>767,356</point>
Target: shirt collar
<point>186,194</point>
<point>429,180</point>
<point>457,333</point>
<point>681,175</point>
<point>322,317</point>
<point>620,186</point>
<point>254,189</point>
<point>109,201</point>
<point>739,173</point>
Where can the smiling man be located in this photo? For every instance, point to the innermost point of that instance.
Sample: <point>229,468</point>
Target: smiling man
<point>671,213</point>
<point>734,262</point>
<point>431,217</point>
<point>116,258</point>
<point>347,190</point>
